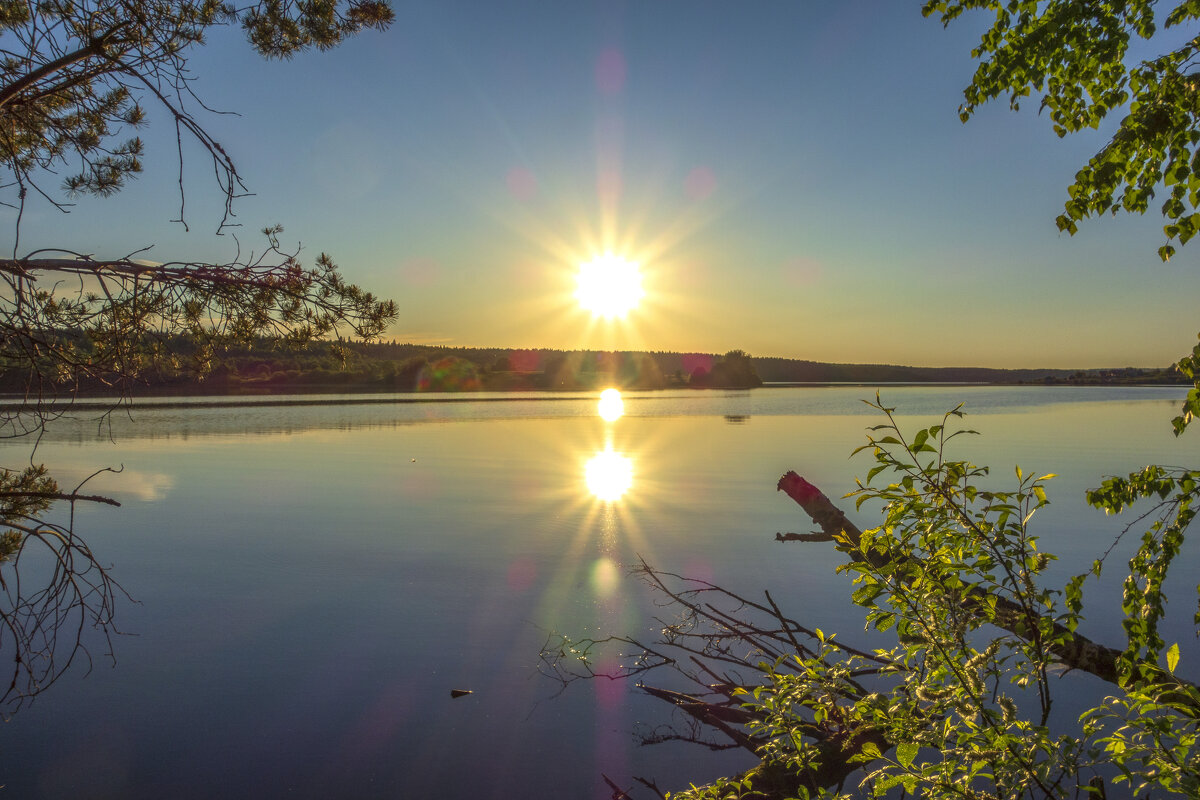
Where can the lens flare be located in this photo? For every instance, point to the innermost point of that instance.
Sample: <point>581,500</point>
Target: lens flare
<point>611,406</point>
<point>605,577</point>
<point>609,475</point>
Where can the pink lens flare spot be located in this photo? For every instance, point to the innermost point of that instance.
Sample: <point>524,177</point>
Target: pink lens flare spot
<point>610,71</point>
<point>698,569</point>
<point>608,187</point>
<point>420,271</point>
<point>803,271</point>
<point>700,183</point>
<point>522,184</point>
<point>521,574</point>
<point>378,725</point>
<point>525,360</point>
<point>610,687</point>
<point>694,361</point>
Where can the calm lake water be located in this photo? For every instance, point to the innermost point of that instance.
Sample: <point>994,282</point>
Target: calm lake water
<point>313,580</point>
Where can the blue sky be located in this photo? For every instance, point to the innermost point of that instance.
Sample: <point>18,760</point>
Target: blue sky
<point>792,177</point>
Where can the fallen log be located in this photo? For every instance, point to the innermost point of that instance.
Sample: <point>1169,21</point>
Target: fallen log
<point>1072,648</point>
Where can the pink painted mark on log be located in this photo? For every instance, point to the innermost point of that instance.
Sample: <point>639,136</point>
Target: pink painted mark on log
<point>798,489</point>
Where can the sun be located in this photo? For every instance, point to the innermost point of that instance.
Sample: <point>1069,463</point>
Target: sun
<point>609,286</point>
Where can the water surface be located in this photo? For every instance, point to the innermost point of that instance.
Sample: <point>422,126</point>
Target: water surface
<point>313,580</point>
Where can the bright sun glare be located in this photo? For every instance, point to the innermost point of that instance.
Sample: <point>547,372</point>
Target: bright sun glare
<point>609,286</point>
<point>609,475</point>
<point>611,406</point>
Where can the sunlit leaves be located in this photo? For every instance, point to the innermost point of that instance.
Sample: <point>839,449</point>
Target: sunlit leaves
<point>1143,734</point>
<point>1075,59</point>
<point>1173,493</point>
<point>959,705</point>
<point>948,553</point>
<point>1189,366</point>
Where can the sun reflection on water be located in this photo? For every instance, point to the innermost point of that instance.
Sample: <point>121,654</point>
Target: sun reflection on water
<point>611,406</point>
<point>609,475</point>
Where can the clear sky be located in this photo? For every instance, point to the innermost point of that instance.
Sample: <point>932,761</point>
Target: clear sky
<point>791,175</point>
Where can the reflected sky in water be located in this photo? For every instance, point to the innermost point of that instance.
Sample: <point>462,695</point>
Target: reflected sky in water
<point>314,580</point>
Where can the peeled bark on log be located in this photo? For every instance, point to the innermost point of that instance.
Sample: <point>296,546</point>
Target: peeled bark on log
<point>1075,650</point>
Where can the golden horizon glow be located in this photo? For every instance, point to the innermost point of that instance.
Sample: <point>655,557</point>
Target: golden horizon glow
<point>609,475</point>
<point>609,286</point>
<point>611,406</point>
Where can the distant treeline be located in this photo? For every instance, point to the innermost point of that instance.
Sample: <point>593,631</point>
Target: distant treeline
<point>406,367</point>
<point>268,366</point>
<point>786,370</point>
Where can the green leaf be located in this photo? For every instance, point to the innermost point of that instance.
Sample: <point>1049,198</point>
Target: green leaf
<point>906,752</point>
<point>865,595</point>
<point>1172,657</point>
